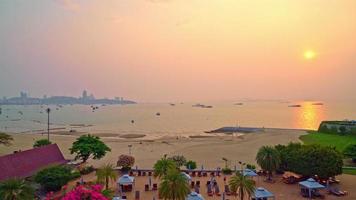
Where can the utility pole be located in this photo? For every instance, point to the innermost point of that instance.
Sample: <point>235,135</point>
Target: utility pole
<point>48,110</point>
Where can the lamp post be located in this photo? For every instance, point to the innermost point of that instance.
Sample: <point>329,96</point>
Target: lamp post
<point>130,145</point>
<point>48,110</point>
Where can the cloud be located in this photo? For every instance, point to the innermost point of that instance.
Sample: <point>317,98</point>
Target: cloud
<point>69,5</point>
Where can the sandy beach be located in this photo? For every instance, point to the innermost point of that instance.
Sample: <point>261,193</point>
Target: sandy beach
<point>205,149</point>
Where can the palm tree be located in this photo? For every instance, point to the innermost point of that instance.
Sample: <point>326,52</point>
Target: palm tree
<point>174,186</point>
<point>241,185</point>
<point>269,159</point>
<point>16,189</point>
<point>105,174</point>
<point>162,167</point>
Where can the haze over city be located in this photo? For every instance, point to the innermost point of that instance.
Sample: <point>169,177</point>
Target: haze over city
<point>179,50</point>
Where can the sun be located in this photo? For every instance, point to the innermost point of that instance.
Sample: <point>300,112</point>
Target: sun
<point>309,54</point>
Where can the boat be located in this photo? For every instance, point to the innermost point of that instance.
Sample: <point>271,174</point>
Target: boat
<point>317,104</point>
<point>238,104</point>
<point>295,106</point>
<point>158,114</point>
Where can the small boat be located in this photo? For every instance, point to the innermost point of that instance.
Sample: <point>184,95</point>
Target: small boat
<point>172,104</point>
<point>132,121</point>
<point>295,106</point>
<point>158,114</point>
<point>317,104</point>
<point>238,104</point>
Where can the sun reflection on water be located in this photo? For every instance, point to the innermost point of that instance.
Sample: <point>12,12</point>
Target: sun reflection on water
<point>309,116</point>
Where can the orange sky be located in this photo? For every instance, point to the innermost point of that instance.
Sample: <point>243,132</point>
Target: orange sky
<point>179,50</point>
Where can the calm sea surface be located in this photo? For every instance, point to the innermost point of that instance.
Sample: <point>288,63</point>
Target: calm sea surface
<point>181,119</point>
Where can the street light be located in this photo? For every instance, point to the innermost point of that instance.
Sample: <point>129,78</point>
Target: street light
<point>130,145</point>
<point>48,110</point>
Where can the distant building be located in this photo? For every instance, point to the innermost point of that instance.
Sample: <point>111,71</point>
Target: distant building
<point>85,94</point>
<point>27,163</point>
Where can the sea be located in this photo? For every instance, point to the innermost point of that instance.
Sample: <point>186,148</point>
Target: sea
<point>178,119</point>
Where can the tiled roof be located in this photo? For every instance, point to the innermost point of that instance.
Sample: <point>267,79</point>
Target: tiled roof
<point>26,163</point>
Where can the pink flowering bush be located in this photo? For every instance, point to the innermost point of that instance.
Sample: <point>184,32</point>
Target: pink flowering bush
<point>126,161</point>
<point>84,193</point>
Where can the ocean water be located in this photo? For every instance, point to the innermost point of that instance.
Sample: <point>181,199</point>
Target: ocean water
<point>181,119</point>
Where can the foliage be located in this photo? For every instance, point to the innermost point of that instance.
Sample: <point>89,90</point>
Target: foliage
<point>190,164</point>
<point>86,170</point>
<point>108,193</point>
<point>53,178</point>
<point>269,159</point>
<point>125,161</point>
<point>250,166</point>
<point>350,151</point>
<point>180,160</point>
<point>310,160</point>
<point>325,139</point>
<point>86,193</point>
<point>41,142</point>
<point>226,170</point>
<point>241,185</point>
<point>105,174</point>
<point>5,139</point>
<point>16,189</point>
<point>174,186</point>
<point>88,145</point>
<point>162,166</point>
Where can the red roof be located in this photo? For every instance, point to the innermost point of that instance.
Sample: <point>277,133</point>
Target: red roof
<point>26,163</point>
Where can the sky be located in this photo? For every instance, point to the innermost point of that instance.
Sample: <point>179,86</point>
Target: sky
<point>179,50</point>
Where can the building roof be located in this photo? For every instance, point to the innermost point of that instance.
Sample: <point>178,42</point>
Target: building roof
<point>26,163</point>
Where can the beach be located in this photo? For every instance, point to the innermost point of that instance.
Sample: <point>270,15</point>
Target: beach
<point>205,149</point>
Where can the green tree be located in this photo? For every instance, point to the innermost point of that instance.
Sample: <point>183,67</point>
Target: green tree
<point>5,139</point>
<point>174,186</point>
<point>88,145</point>
<point>41,142</point>
<point>350,151</point>
<point>16,189</point>
<point>162,166</point>
<point>180,160</point>
<point>190,164</point>
<point>53,178</point>
<point>269,159</point>
<point>241,185</point>
<point>105,174</point>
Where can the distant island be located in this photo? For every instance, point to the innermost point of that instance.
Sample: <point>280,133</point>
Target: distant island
<point>85,99</point>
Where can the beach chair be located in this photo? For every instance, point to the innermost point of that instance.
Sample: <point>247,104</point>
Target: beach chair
<point>227,190</point>
<point>154,186</point>
<point>196,189</point>
<point>137,195</point>
<point>337,192</point>
<point>209,191</point>
<point>147,187</point>
<point>199,174</point>
<point>192,184</point>
<point>217,190</point>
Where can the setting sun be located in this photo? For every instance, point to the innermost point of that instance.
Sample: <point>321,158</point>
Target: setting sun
<point>309,54</point>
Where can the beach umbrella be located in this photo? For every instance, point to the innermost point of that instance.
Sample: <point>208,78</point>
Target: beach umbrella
<point>186,176</point>
<point>194,196</point>
<point>249,172</point>
<point>261,193</point>
<point>311,184</point>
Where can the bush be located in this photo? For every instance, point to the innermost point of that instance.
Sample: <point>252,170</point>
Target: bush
<point>342,130</point>
<point>41,142</point>
<point>350,152</point>
<point>53,178</point>
<point>86,170</point>
<point>250,166</point>
<point>310,160</point>
<point>226,171</point>
<point>179,160</point>
<point>126,162</point>
<point>191,164</point>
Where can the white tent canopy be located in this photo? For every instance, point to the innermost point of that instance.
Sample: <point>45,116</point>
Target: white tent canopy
<point>194,196</point>
<point>126,180</point>
<point>186,176</point>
